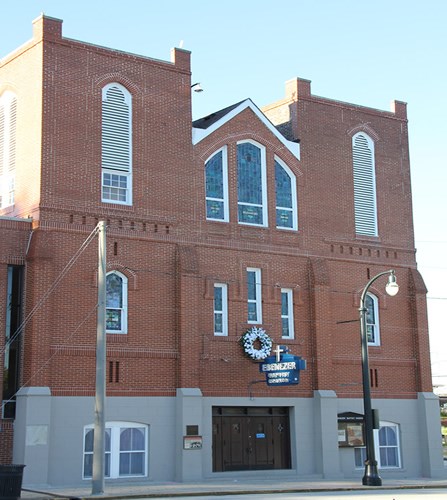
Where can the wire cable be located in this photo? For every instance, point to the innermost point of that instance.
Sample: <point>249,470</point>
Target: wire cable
<point>53,287</point>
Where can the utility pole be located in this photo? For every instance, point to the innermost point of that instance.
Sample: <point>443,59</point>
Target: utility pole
<point>100,396</point>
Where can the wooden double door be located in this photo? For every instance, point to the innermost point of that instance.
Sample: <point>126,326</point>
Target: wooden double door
<point>253,438</point>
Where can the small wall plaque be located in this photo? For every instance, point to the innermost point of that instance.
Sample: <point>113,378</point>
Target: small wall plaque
<point>192,442</point>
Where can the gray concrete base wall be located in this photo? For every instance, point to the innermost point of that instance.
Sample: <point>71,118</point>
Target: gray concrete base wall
<point>48,435</point>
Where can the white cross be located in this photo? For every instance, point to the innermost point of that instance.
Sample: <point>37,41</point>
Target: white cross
<point>278,352</point>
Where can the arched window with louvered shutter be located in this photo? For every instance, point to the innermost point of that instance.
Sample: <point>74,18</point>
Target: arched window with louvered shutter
<point>365,206</point>
<point>116,145</point>
<point>8,126</point>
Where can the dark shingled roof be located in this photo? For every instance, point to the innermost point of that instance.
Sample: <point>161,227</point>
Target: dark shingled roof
<point>209,120</point>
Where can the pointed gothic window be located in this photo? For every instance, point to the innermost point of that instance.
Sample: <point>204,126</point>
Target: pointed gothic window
<point>216,186</point>
<point>286,205</point>
<point>251,184</point>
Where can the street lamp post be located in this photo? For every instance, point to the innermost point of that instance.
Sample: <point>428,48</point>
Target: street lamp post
<point>371,476</point>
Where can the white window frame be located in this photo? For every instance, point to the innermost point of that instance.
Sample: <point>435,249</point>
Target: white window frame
<point>115,429</point>
<point>121,175</point>
<point>294,208</point>
<point>263,184</point>
<point>124,304</point>
<point>224,200</point>
<point>375,326</point>
<point>377,448</point>
<point>8,145</point>
<point>258,296</point>
<point>124,171</point>
<point>223,312</point>
<point>288,292</point>
<point>365,196</point>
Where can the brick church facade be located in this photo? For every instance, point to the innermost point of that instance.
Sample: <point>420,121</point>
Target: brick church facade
<point>266,221</point>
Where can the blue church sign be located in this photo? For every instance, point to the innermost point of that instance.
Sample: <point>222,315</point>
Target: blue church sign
<point>283,368</point>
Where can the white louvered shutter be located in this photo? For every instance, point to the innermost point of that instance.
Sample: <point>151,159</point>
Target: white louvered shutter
<point>116,131</point>
<point>8,126</point>
<point>2,140</point>
<point>364,185</point>
<point>12,135</point>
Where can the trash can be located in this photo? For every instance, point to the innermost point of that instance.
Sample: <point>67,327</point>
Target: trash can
<point>11,481</point>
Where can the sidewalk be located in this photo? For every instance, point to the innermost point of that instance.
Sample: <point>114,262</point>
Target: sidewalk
<point>222,487</point>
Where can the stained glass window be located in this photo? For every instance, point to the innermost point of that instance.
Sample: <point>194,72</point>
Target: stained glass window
<point>284,197</point>
<point>215,187</point>
<point>250,184</point>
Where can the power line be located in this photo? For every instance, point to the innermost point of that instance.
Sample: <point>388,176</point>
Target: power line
<point>57,350</point>
<point>79,252</point>
<point>53,287</point>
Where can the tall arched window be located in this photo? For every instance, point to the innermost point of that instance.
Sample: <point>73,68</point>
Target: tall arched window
<point>251,184</point>
<point>286,204</point>
<point>365,206</point>
<point>216,186</point>
<point>8,121</point>
<point>116,302</point>
<point>372,319</point>
<point>116,145</point>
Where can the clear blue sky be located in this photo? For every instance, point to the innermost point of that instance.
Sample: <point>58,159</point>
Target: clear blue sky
<point>367,53</point>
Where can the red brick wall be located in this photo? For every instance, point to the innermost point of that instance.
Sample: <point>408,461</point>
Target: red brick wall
<point>172,255</point>
<point>7,433</point>
<point>13,241</point>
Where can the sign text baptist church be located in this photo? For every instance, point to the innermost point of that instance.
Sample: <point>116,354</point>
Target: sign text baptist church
<point>282,369</point>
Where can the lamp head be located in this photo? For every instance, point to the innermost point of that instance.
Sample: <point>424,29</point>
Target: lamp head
<point>197,87</point>
<point>392,287</point>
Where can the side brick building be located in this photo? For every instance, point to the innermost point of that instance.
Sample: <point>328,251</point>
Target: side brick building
<point>267,221</point>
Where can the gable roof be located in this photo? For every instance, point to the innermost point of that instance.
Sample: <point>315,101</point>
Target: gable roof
<point>203,127</point>
<point>209,120</point>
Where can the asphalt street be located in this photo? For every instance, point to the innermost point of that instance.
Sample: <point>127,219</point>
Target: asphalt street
<point>428,494</point>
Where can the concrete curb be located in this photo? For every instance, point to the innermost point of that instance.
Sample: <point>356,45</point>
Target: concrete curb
<point>189,491</point>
